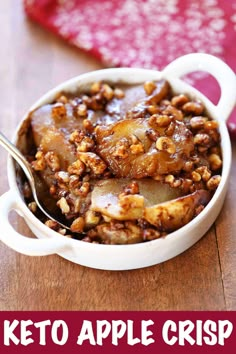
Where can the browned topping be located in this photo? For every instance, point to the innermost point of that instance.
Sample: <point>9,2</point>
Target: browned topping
<point>59,111</point>
<point>107,92</point>
<point>196,108</point>
<point>196,177</point>
<point>121,149</point>
<point>159,120</point>
<point>198,122</point>
<point>153,109</point>
<point>92,218</point>
<point>151,234</point>
<point>52,160</point>
<point>132,188</point>
<point>52,224</point>
<point>39,164</point>
<point>125,164</point>
<point>211,124</point>
<point>202,139</point>
<point>63,205</point>
<point>166,144</point>
<point>118,93</point>
<point>173,112</point>
<point>76,168</point>
<point>95,87</point>
<point>215,162</point>
<point>32,207</point>
<point>179,101</point>
<point>213,182</point>
<point>149,87</point>
<point>88,126</point>
<point>204,172</point>
<point>78,224</point>
<point>82,110</point>
<point>86,144</point>
<point>93,161</point>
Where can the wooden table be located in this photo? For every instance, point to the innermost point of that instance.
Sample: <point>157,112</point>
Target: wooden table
<point>203,278</point>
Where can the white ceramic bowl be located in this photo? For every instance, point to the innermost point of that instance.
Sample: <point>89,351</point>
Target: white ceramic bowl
<point>122,257</point>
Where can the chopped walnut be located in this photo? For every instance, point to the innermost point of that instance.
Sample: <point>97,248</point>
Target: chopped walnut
<point>132,188</point>
<point>173,112</point>
<point>202,139</point>
<point>161,120</point>
<point>52,160</point>
<point>63,205</point>
<point>84,189</point>
<point>118,93</point>
<point>121,149</point>
<point>93,161</point>
<point>137,148</point>
<point>166,144</point>
<point>204,172</point>
<point>39,164</point>
<point>82,110</point>
<point>85,145</point>
<point>170,129</point>
<point>188,166</point>
<point>52,224</point>
<point>215,162</point>
<point>58,111</point>
<point>195,108</point>
<point>62,176</point>
<point>107,92</point>
<point>92,218</point>
<point>74,181</point>
<point>153,109</point>
<point>78,225</point>
<point>179,100</point>
<point>150,234</point>
<point>149,87</point>
<point>77,136</point>
<point>62,231</point>
<point>88,126</point>
<point>169,179</point>
<point>211,124</point>
<point>196,177</point>
<point>32,207</point>
<point>198,122</point>
<point>213,182</point>
<point>95,87</point>
<point>62,99</point>
<point>76,168</point>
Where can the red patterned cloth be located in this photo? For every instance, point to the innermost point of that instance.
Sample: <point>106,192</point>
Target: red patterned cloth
<point>145,33</point>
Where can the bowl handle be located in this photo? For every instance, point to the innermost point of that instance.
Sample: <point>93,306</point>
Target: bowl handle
<point>214,66</point>
<point>20,243</point>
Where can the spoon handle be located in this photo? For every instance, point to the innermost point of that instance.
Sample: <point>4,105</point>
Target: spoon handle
<point>18,156</point>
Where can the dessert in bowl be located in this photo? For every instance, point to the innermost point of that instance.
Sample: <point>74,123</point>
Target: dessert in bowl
<point>137,162</point>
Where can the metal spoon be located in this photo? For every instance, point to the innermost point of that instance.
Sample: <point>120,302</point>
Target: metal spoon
<point>31,176</point>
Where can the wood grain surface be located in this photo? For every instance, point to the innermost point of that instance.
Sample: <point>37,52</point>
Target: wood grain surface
<point>203,278</point>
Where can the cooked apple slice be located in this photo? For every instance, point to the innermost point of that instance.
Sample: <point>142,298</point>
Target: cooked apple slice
<point>173,214</point>
<point>135,100</point>
<point>108,197</point>
<point>54,140</point>
<point>129,151</point>
<point>54,115</point>
<point>114,234</point>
